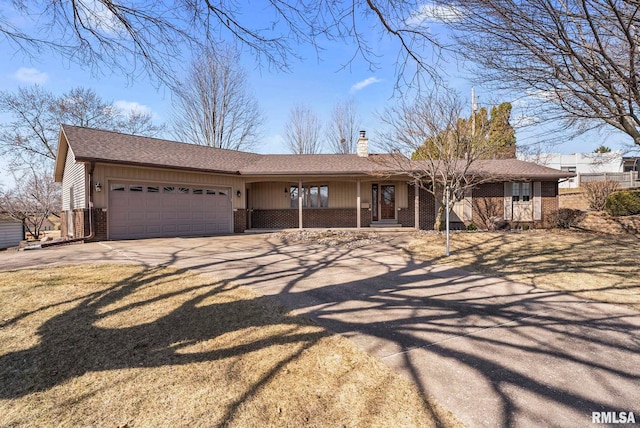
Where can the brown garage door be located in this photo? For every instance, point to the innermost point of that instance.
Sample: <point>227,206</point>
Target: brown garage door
<point>166,210</point>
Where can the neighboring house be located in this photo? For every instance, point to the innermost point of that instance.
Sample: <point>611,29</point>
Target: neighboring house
<point>590,167</point>
<point>117,186</point>
<point>11,232</point>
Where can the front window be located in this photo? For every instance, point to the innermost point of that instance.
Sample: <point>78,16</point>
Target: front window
<point>521,192</point>
<point>313,196</point>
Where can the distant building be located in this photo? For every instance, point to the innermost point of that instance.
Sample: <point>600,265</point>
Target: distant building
<point>591,167</point>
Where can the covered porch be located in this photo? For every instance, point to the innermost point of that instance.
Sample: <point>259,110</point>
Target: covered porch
<point>329,202</point>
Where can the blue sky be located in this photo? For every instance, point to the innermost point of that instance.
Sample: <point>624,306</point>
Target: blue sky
<point>317,83</point>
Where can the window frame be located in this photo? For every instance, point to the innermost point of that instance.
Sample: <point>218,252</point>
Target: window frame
<point>313,196</point>
<point>521,191</point>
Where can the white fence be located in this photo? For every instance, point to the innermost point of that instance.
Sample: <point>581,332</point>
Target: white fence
<point>624,179</point>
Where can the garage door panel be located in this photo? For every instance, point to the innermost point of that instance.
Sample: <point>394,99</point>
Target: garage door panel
<point>166,210</point>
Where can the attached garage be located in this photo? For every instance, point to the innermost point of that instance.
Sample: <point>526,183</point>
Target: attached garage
<point>153,210</point>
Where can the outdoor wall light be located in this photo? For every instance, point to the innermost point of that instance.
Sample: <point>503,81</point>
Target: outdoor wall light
<point>98,186</point>
<point>238,193</point>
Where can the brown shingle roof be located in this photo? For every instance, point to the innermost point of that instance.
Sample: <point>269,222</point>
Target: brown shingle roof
<point>315,165</point>
<point>516,169</point>
<point>112,147</point>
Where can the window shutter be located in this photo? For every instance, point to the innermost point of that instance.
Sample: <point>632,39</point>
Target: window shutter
<point>537,201</point>
<point>508,203</point>
<point>467,213</point>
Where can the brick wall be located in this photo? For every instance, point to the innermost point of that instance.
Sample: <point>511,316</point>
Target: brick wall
<point>311,217</point>
<point>427,213</point>
<point>81,223</point>
<point>63,224</point>
<point>239,221</point>
<point>549,193</point>
<point>100,224</point>
<point>488,201</point>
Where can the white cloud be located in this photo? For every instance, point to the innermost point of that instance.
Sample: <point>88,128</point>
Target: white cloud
<point>364,83</point>
<point>132,106</point>
<point>434,13</point>
<point>31,75</point>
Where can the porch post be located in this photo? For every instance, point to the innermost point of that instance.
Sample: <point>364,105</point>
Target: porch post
<point>416,205</point>
<point>358,214</point>
<point>300,203</point>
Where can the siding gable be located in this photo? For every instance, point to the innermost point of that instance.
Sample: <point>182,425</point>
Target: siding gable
<point>73,183</point>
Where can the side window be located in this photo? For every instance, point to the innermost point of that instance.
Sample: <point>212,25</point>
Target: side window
<point>521,192</point>
<point>515,192</point>
<point>526,192</point>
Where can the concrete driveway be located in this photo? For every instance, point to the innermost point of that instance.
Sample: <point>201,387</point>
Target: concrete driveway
<point>495,353</point>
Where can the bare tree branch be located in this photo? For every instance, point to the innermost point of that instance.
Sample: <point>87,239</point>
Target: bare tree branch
<point>213,105</point>
<point>31,138</point>
<point>578,59</point>
<point>342,130</point>
<point>302,131</point>
<point>151,37</point>
<point>454,161</point>
<point>32,200</point>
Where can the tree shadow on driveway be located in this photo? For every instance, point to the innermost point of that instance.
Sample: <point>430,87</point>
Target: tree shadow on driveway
<point>493,352</point>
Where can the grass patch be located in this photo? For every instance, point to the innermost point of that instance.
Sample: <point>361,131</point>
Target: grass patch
<point>135,346</point>
<point>598,267</point>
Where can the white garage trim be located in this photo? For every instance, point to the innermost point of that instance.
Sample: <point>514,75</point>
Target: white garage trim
<point>153,210</point>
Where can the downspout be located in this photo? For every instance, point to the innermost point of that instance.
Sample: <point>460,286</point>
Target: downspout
<point>92,232</point>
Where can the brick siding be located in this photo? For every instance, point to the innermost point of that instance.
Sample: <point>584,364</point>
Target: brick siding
<point>239,220</point>
<point>426,214</point>
<point>311,217</point>
<point>81,223</point>
<point>488,201</point>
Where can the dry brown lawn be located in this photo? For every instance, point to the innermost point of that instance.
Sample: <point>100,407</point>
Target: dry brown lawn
<point>115,346</point>
<point>594,266</point>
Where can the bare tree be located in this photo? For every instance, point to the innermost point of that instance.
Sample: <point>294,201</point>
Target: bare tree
<point>302,131</point>
<point>31,137</point>
<point>577,59</point>
<point>152,36</point>
<point>213,105</point>
<point>343,128</point>
<point>453,162</point>
<point>32,200</point>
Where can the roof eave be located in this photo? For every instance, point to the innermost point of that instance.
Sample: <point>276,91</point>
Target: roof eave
<point>154,165</point>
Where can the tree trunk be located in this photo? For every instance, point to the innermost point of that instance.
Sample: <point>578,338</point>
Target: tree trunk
<point>440,223</point>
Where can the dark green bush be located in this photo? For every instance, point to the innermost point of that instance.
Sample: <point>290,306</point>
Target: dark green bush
<point>564,218</point>
<point>471,226</point>
<point>625,202</point>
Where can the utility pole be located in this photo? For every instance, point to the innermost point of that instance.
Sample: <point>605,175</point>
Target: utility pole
<point>474,109</point>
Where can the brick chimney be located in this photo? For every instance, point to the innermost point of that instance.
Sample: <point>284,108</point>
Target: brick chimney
<point>363,145</point>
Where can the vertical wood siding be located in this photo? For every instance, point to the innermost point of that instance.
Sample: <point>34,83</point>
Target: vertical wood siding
<point>342,194</point>
<point>107,174</point>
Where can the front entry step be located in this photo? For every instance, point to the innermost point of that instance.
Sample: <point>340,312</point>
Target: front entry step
<point>384,223</point>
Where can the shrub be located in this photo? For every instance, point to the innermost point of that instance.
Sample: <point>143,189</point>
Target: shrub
<point>626,202</point>
<point>597,193</point>
<point>471,226</point>
<point>564,218</point>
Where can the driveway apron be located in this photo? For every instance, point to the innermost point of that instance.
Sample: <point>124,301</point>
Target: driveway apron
<point>494,352</point>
